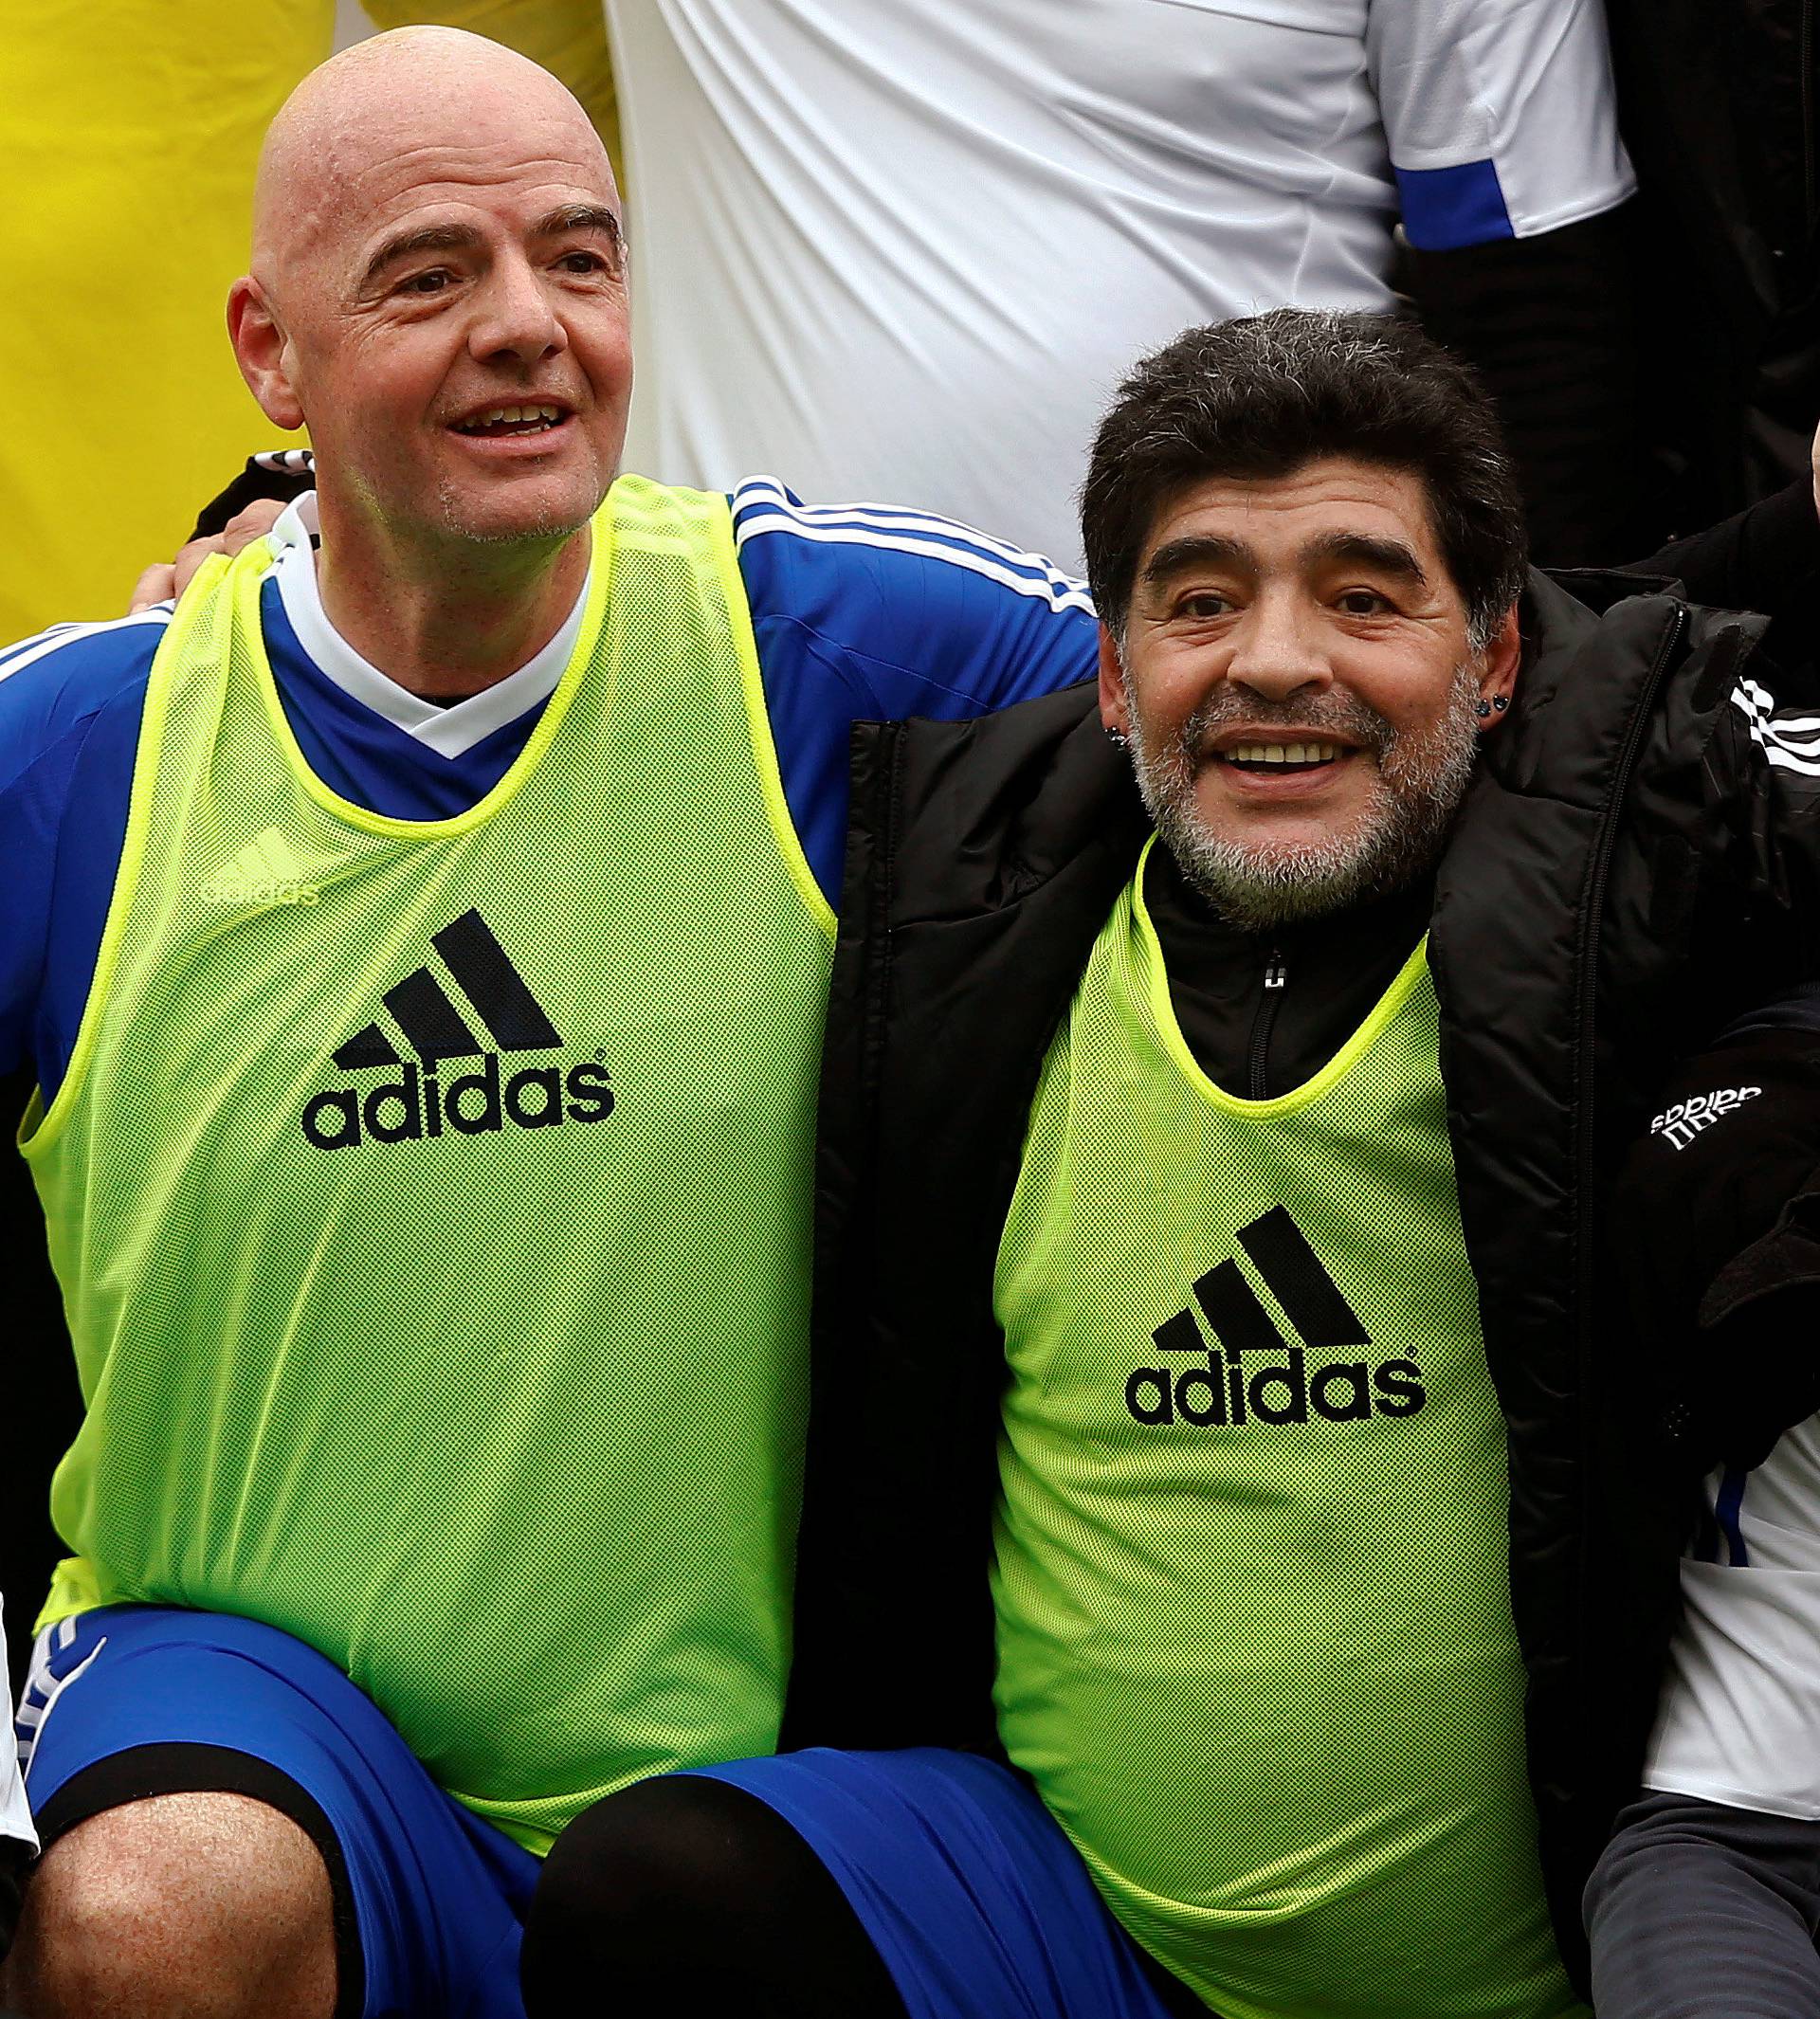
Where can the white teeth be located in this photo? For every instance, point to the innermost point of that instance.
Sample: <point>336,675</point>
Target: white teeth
<point>1282,753</point>
<point>495,415</point>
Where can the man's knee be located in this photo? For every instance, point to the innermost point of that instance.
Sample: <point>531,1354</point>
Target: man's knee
<point>205,1904</point>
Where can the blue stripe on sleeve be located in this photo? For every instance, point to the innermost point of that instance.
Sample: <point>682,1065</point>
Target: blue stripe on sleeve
<point>763,506</point>
<point>1727,1508</point>
<point>1445,209</point>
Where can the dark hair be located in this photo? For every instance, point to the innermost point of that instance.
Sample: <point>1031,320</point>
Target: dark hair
<point>1264,395</point>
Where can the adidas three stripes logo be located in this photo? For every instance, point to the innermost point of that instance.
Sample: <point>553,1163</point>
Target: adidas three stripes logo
<point>432,1025</point>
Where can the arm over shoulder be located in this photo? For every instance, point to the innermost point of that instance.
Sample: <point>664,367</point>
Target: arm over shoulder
<point>876,613</point>
<point>929,616</point>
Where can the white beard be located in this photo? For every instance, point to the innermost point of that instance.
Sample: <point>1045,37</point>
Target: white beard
<point>1258,885</point>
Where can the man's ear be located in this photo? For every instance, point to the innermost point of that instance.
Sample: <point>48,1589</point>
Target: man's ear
<point>1115,710</point>
<point>1502,662</point>
<point>263,352</point>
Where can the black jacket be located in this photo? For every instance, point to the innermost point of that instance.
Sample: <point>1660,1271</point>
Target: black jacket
<point>1624,873</point>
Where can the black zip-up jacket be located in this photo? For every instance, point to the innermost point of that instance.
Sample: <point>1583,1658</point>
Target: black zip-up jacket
<point>1625,872</point>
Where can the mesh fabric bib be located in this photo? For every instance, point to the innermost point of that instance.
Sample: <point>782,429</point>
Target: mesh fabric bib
<point>430,1197</point>
<point>1255,1643</point>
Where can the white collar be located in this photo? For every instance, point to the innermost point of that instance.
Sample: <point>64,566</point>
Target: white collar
<point>448,731</point>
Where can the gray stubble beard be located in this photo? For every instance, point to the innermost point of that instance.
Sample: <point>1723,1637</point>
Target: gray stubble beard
<point>1257,887</point>
<point>547,529</point>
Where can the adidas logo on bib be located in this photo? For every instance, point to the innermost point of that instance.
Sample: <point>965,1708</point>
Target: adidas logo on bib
<point>1216,1385</point>
<point>417,1103</point>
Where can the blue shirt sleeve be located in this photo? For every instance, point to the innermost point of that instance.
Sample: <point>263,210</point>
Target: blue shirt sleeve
<point>870,613</point>
<point>70,703</point>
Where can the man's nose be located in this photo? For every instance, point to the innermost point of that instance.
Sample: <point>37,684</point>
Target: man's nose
<point>1279,651</point>
<point>515,317</point>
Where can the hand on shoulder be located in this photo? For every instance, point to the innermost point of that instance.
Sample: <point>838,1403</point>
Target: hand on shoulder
<point>164,580</point>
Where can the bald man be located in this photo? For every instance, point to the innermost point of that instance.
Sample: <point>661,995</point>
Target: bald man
<point>419,940</point>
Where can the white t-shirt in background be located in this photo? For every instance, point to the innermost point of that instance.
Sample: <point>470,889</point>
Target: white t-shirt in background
<point>908,251</point>
<point>1739,1720</point>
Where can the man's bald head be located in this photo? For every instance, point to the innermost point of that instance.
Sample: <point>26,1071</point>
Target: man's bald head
<point>438,293</point>
<point>377,104</point>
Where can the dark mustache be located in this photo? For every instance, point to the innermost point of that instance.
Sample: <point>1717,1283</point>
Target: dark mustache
<point>1338,714</point>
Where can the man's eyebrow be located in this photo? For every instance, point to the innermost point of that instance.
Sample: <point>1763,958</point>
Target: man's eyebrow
<point>426,238</point>
<point>1196,550</point>
<point>579,217</point>
<point>461,238</point>
<point>1383,555</point>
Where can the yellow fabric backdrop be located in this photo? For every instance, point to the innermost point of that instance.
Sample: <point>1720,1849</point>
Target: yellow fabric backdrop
<point>129,130</point>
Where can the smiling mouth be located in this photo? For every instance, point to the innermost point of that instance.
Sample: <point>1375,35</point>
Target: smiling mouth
<point>1306,754</point>
<point>535,419</point>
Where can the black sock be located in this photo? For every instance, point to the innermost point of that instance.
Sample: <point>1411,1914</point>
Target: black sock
<point>692,1897</point>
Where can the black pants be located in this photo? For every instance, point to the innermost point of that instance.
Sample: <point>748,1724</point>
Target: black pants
<point>1700,1912</point>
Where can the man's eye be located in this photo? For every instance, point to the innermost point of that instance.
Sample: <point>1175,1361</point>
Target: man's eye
<point>1363,603</point>
<point>1203,603</point>
<point>432,282</point>
<point>582,262</point>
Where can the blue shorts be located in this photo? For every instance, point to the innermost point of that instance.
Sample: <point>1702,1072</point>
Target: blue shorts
<point>136,1700</point>
<point>979,1905</point>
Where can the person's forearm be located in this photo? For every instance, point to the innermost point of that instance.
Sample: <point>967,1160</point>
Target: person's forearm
<point>1550,326</point>
<point>1696,1911</point>
<point>1547,322</point>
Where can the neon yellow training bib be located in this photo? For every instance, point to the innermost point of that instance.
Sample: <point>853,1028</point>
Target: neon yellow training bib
<point>1255,1643</point>
<point>430,1198</point>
